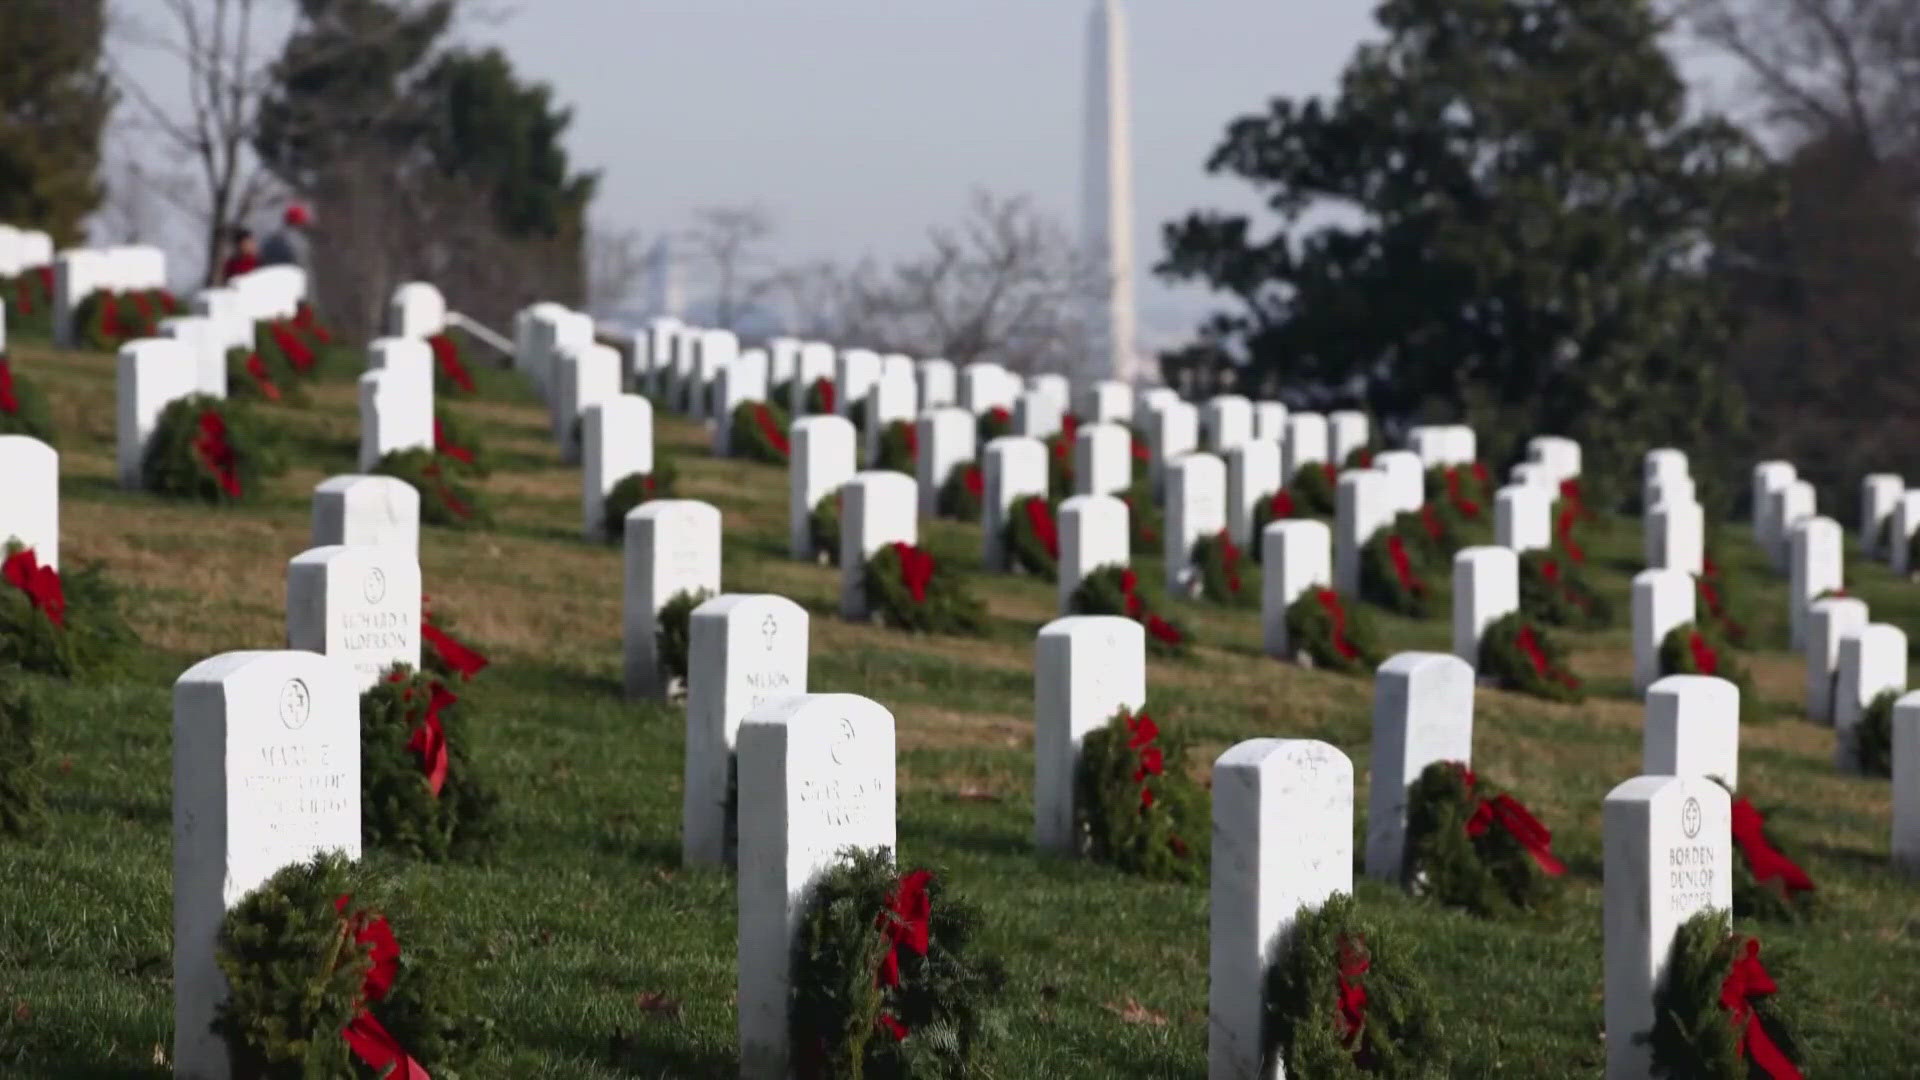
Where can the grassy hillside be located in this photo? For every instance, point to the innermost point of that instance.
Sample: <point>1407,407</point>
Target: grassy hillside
<point>596,955</point>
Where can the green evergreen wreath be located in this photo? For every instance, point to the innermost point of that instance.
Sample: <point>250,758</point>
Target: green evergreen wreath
<point>1343,1002</point>
<point>637,489</point>
<point>446,499</point>
<point>1458,493</point>
<point>888,979</point>
<point>298,953</point>
<point>66,625</point>
<point>419,793</point>
<point>209,450</point>
<point>1873,735</point>
<point>962,492</point>
<point>820,397</point>
<point>994,423</point>
<point>106,319</point>
<point>1392,576</point>
<point>1360,457</point>
<point>29,299</point>
<point>249,376</point>
<point>907,590</point>
<point>1115,590</point>
<point>1467,845</point>
<point>23,408</point>
<point>1033,537</point>
<point>1226,576</point>
<point>1312,619</point>
<point>1721,595</point>
<point>1267,509</point>
<point>1135,807</point>
<point>23,813</point>
<point>1541,671</point>
<point>455,441</point>
<point>760,432</point>
<point>1787,894</point>
<point>899,447</point>
<point>1313,488</point>
<point>823,526</point>
<point>1060,460</point>
<point>1699,649</point>
<point>781,394</point>
<point>1430,541</point>
<point>1559,592</point>
<point>1694,1035</point>
<point>673,631</point>
<point>1144,519</point>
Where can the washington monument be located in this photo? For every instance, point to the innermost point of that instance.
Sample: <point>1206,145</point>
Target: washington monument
<point>1107,194</point>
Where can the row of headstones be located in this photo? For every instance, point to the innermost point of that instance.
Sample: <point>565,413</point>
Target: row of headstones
<point>23,249</point>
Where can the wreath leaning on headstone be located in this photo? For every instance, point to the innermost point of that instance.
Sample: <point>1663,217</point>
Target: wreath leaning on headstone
<point>446,499</point>
<point>1343,1003</point>
<point>1767,884</point>
<point>1267,509</point>
<point>1873,735</point>
<point>993,423</point>
<point>1720,596</point>
<point>318,983</point>
<point>1134,805</point>
<point>23,408</point>
<point>1115,590</point>
<point>1332,634</point>
<point>23,814</point>
<point>1470,845</point>
<point>1314,486</point>
<point>1458,492</point>
<point>442,653</point>
<point>1698,649</point>
<point>823,528</point>
<point>419,793</point>
<point>1393,576</point>
<point>1225,576</point>
<point>673,633</point>
<point>820,398</point>
<point>888,979</point>
<point>1559,592</point>
<point>1144,519</point>
<point>760,433</point>
<point>450,372</point>
<point>106,319</point>
<point>1717,1013</point>
<point>962,492</point>
<point>634,490</point>
<point>65,625</point>
<point>899,447</point>
<point>207,449</point>
<point>1033,537</point>
<point>29,299</point>
<point>908,590</point>
<point>1517,654</point>
<point>454,440</point>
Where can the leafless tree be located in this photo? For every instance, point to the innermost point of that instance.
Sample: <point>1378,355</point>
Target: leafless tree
<point>730,242</point>
<point>616,265</point>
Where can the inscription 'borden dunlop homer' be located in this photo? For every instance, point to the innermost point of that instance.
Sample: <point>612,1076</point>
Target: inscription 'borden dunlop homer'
<point>357,604</point>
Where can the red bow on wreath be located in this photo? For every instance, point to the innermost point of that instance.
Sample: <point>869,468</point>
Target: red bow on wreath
<point>110,317</point>
<point>912,433</point>
<point>23,571</point>
<point>1467,507</point>
<point>1140,451</point>
<point>1514,817</point>
<point>770,431</point>
<point>366,1036</point>
<point>1745,981</point>
<point>1767,863</point>
<point>143,304</point>
<point>1280,505</point>
<point>1040,517</point>
<point>1430,518</point>
<point>1529,644</point>
<point>290,345</point>
<point>1705,660</point>
<point>448,497</point>
<point>444,445</point>
<point>456,656</point>
<point>1336,612</point>
<point>257,368</point>
<point>304,319</point>
<point>1157,627</point>
<point>216,453</point>
<point>430,739</point>
<point>1564,528</point>
<point>9,404</point>
<point>1141,733</point>
<point>906,922</point>
<point>1069,427</point>
<point>447,355</point>
<point>1230,558</point>
<point>824,387</point>
<point>1351,1003</point>
<point>1403,565</point>
<point>916,570</point>
<point>975,481</point>
<point>998,416</point>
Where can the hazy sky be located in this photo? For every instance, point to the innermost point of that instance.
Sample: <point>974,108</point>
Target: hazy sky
<point>859,123</point>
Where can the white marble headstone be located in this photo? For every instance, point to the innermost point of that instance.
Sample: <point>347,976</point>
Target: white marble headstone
<point>150,374</point>
<point>876,509</point>
<point>1196,507</point>
<point>30,496</point>
<point>1362,507</point>
<point>1102,459</point>
<point>947,439</point>
<point>1828,621</point>
<point>1093,533</point>
<point>821,459</point>
<point>1486,589</point>
<point>1014,467</point>
<point>616,441</point>
<point>1422,713</point>
<point>1295,555</point>
<point>359,605</point>
<point>366,511</point>
<point>1253,474</point>
<point>1873,660</point>
<point>1662,600</point>
<point>1086,668</point>
<point>672,546</point>
<point>1692,729</point>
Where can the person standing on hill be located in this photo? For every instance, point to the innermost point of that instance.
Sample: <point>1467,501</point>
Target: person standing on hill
<point>289,246</point>
<point>242,255</point>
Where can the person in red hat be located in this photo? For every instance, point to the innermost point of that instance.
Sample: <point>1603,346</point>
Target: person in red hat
<point>289,245</point>
<point>242,254</point>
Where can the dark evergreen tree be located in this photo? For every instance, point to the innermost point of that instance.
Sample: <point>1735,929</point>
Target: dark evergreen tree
<point>54,101</point>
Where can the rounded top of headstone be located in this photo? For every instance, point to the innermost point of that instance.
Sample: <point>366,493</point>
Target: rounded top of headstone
<point>885,484</point>
<point>1015,446</point>
<point>1326,762</point>
<point>622,408</point>
<point>156,351</point>
<point>1124,632</point>
<point>1700,800</point>
<point>1885,635</point>
<point>840,718</point>
<point>732,604</point>
<point>1199,465</point>
<point>1306,528</point>
<point>1362,478</point>
<point>1663,578</point>
<point>1093,504</point>
<point>311,667</point>
<point>683,510</point>
<point>1694,687</point>
<point>1847,608</point>
<point>1425,665</point>
<point>21,449</point>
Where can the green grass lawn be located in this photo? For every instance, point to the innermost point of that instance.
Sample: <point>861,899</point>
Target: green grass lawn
<point>595,955</point>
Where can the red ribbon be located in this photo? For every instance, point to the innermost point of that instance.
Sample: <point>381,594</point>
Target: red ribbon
<point>1746,981</point>
<point>430,739</point>
<point>110,326</point>
<point>1564,528</point>
<point>1705,660</point>
<point>143,304</point>
<point>1403,566</point>
<point>1157,627</point>
<point>216,453</point>
<point>1768,863</point>
<point>445,491</point>
<point>1520,822</point>
<point>1351,1002</point>
<point>999,417</point>
<point>1040,516</point>
<point>1336,611</point>
<point>23,571</point>
<point>1467,507</point>
<point>24,290</point>
<point>447,355</point>
<point>8,403</point>
<point>975,481</point>
<point>916,570</point>
<point>304,319</point>
<point>1230,556</point>
<point>366,1036</point>
<point>1529,643</point>
<point>1431,520</point>
<point>912,431</point>
<point>455,655</point>
<point>1070,427</point>
<point>257,368</point>
<point>824,387</point>
<point>168,302</point>
<point>1480,474</point>
<point>443,445</point>
<point>1280,506</point>
<point>291,346</point>
<point>906,922</point>
<point>1141,733</point>
<point>770,431</point>
<point>1140,452</point>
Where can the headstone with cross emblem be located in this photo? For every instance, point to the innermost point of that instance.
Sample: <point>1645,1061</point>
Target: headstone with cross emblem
<point>672,547</point>
<point>359,605</point>
<point>1282,841</point>
<point>743,649</point>
<point>266,773</point>
<point>1667,856</point>
<point>816,780</point>
<point>1086,668</point>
